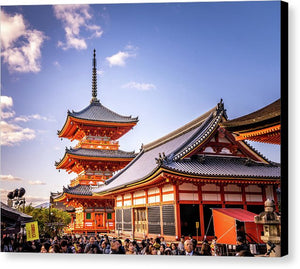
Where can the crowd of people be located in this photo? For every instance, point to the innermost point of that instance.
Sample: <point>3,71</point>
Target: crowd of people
<point>102,244</point>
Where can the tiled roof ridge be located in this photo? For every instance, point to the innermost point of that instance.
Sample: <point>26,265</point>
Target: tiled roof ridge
<point>70,189</point>
<point>247,160</point>
<point>180,131</point>
<point>74,150</point>
<point>209,125</point>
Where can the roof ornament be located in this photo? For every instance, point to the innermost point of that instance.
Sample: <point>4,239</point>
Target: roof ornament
<point>94,80</point>
<point>220,107</point>
<point>161,159</point>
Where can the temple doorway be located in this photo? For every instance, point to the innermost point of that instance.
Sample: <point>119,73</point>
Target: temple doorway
<point>189,215</point>
<point>99,220</point>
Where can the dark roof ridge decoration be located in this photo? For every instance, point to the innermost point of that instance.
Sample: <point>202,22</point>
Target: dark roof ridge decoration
<point>180,131</point>
<point>94,80</point>
<point>267,115</point>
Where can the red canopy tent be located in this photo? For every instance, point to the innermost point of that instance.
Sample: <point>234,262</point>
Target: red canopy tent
<point>225,225</point>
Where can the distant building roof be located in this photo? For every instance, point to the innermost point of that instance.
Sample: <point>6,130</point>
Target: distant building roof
<point>12,213</point>
<point>262,118</point>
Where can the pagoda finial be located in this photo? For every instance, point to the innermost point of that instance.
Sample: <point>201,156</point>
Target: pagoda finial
<point>94,80</point>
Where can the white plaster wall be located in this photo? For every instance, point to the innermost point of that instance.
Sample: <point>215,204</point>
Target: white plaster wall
<point>188,187</point>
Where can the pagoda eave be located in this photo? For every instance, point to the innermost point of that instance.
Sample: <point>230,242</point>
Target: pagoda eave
<point>73,126</point>
<point>70,160</point>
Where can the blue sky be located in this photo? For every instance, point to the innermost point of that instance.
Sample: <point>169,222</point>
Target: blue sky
<point>166,63</point>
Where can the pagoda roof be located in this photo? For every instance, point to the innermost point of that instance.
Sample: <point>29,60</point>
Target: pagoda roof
<point>167,153</point>
<point>101,153</point>
<point>83,190</point>
<point>97,112</point>
<point>78,190</point>
<point>262,118</point>
<point>96,154</point>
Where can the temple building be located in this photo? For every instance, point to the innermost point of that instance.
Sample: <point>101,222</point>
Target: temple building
<point>172,185</point>
<point>94,159</point>
<point>263,125</point>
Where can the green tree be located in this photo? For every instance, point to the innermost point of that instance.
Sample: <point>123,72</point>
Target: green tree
<point>50,221</point>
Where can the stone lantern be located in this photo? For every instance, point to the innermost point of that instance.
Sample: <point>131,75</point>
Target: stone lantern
<point>271,223</point>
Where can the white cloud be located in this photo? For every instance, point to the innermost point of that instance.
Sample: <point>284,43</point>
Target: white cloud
<point>139,86</point>
<point>21,46</point>
<point>119,58</point>
<point>36,182</point>
<point>36,200</point>
<point>75,17</point>
<point>12,134</point>
<point>9,178</point>
<point>31,117</point>
<point>6,102</point>
<point>3,194</point>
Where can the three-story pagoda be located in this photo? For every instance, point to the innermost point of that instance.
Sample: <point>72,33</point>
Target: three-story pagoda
<point>94,159</point>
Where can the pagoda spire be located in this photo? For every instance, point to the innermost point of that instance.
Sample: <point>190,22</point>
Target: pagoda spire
<point>94,80</point>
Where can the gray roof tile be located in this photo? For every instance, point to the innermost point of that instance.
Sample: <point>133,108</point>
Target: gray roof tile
<point>105,153</point>
<point>97,112</point>
<point>79,190</point>
<point>225,166</point>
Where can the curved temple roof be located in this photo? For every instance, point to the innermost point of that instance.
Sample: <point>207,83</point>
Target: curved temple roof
<point>167,153</point>
<point>97,112</point>
<point>262,118</point>
<point>97,153</point>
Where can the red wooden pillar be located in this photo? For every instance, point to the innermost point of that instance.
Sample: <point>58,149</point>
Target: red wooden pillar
<point>177,207</point>
<point>244,196</point>
<point>222,195</point>
<point>160,209</point>
<point>201,212</point>
<point>263,190</point>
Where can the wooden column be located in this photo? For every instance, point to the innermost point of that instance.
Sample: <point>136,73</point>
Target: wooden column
<point>160,210</point>
<point>177,212</point>
<point>222,194</point>
<point>201,211</point>
<point>244,196</point>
